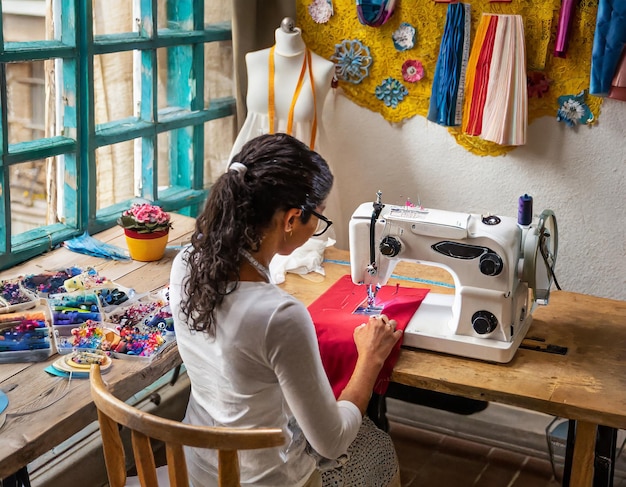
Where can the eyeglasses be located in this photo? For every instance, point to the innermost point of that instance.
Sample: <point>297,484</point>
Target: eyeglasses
<point>323,223</point>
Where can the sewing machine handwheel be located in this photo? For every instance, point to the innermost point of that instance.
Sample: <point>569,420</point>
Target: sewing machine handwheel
<point>540,250</point>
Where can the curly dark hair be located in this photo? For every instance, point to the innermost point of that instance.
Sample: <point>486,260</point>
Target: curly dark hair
<point>281,173</point>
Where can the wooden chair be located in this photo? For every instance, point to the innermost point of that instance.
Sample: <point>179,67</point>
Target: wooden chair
<point>143,426</point>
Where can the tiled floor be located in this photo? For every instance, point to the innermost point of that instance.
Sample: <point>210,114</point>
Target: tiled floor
<point>456,456</point>
<point>429,459</point>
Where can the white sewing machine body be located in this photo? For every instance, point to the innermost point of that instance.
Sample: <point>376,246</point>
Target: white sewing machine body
<point>491,259</point>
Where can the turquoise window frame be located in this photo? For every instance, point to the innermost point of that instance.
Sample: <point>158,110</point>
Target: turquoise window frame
<point>184,118</point>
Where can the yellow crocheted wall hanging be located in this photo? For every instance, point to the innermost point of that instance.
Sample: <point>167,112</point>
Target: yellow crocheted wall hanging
<point>388,53</point>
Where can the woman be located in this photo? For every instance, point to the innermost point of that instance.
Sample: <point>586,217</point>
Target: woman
<point>250,349</point>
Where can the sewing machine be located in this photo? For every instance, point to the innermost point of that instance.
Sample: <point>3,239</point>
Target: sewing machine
<point>501,270</point>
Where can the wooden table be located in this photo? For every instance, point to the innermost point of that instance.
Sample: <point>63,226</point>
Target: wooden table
<point>25,437</point>
<point>588,384</point>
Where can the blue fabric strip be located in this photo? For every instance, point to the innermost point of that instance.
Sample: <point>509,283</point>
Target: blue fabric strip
<point>445,89</point>
<point>401,278</point>
<point>608,42</point>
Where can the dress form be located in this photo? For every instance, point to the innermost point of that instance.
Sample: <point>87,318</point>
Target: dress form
<point>289,54</point>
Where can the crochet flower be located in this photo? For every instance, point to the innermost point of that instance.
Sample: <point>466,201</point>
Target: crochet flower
<point>412,70</point>
<point>352,61</point>
<point>573,110</point>
<point>391,92</point>
<point>404,37</point>
<point>321,10</point>
<point>538,84</point>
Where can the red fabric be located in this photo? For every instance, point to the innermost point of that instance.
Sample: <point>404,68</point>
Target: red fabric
<point>481,80</point>
<point>335,322</point>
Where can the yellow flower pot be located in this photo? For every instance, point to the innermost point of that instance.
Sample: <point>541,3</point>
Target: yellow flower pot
<point>146,247</point>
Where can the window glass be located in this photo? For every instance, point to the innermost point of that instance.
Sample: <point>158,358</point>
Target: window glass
<point>28,196</point>
<point>108,20</point>
<point>26,101</point>
<point>115,179</point>
<point>88,128</point>
<point>113,87</point>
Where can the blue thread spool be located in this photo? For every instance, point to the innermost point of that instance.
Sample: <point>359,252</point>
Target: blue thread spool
<point>525,210</point>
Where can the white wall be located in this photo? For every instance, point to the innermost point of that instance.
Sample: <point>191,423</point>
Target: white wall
<point>580,174</point>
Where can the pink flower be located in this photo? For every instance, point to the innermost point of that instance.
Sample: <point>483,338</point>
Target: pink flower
<point>538,84</point>
<point>321,10</point>
<point>412,70</point>
<point>145,218</point>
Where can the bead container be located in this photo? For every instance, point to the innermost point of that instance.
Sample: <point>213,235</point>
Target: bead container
<point>25,336</point>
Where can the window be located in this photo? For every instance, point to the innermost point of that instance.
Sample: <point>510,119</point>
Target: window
<point>109,104</point>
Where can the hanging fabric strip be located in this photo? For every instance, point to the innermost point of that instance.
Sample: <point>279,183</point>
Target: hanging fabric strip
<point>447,91</point>
<point>608,41</point>
<point>271,110</point>
<point>496,108</point>
<point>618,86</point>
<point>374,12</point>
<point>312,81</point>
<point>505,116</point>
<point>296,94</point>
<point>470,76</point>
<point>499,83</point>
<point>465,50</point>
<point>271,96</point>
<point>482,78</point>
<point>562,31</point>
<point>478,72</point>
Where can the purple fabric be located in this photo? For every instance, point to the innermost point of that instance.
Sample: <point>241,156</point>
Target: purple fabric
<point>563,29</point>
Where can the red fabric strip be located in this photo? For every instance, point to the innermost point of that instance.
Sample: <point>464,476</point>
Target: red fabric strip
<point>479,94</point>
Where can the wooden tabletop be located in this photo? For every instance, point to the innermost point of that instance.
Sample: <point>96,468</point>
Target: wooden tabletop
<point>43,410</point>
<point>587,383</point>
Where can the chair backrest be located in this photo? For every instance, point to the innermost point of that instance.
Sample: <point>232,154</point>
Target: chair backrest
<point>174,434</point>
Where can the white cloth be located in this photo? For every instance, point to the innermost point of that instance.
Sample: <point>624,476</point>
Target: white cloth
<point>263,369</point>
<point>309,257</point>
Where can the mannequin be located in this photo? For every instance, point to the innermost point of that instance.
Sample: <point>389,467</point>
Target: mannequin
<point>289,55</point>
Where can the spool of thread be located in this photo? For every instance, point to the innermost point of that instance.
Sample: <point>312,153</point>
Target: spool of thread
<point>525,210</point>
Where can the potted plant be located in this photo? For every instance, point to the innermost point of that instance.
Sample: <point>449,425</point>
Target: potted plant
<point>146,227</point>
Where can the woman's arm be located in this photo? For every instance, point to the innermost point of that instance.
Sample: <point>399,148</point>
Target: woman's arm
<point>374,341</point>
<point>330,425</point>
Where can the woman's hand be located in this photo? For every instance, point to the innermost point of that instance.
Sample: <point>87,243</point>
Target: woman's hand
<point>375,339</point>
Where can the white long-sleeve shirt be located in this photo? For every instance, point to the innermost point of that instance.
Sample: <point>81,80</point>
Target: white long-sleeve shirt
<point>263,369</point>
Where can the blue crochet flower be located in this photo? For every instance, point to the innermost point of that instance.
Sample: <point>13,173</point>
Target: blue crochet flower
<point>573,110</point>
<point>391,92</point>
<point>404,37</point>
<point>352,61</point>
